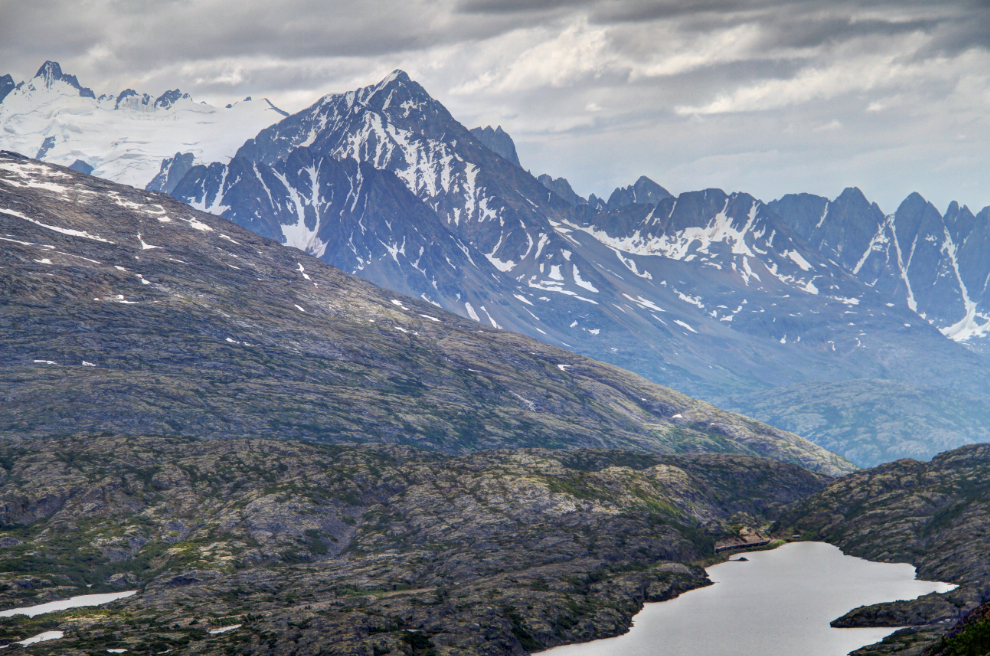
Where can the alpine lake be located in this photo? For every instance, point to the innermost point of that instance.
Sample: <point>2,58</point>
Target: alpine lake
<point>767,603</point>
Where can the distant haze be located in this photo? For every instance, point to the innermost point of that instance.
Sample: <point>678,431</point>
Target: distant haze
<point>765,97</point>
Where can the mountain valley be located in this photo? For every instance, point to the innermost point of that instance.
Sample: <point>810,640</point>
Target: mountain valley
<point>439,485</point>
<point>306,549</point>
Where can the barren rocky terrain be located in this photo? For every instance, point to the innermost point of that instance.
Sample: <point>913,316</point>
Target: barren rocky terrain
<point>360,549</point>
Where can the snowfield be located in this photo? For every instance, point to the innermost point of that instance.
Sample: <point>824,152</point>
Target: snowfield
<point>123,138</point>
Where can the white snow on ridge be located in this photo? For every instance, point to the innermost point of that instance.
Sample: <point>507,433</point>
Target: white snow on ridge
<point>967,327</point>
<point>682,244</point>
<point>28,172</point>
<point>631,265</point>
<point>64,604</point>
<point>582,283</point>
<point>487,314</point>
<point>798,260</point>
<point>645,304</point>
<point>41,637</point>
<point>693,300</point>
<point>224,629</point>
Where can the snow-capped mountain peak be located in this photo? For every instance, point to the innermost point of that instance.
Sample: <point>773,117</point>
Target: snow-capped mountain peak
<point>50,75</point>
<point>125,138</point>
<point>395,125</point>
<point>933,264</point>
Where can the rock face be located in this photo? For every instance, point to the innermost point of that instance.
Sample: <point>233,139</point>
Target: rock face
<point>6,86</point>
<point>933,515</point>
<point>935,265</point>
<point>497,141</point>
<point>562,188</point>
<point>360,550</point>
<point>129,311</point>
<point>50,74</point>
<point>378,229</point>
<point>711,293</point>
<point>123,137</point>
<point>644,192</point>
<point>172,171</point>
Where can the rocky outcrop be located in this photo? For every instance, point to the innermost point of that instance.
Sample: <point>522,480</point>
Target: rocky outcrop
<point>498,141</point>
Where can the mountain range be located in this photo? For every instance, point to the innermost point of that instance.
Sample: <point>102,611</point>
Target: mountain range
<point>714,294</point>
<point>749,305</point>
<point>936,265</point>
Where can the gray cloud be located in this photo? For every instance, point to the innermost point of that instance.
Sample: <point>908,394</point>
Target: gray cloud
<point>519,6</point>
<point>768,97</point>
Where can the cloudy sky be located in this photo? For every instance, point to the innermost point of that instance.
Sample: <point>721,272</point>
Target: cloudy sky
<point>751,95</point>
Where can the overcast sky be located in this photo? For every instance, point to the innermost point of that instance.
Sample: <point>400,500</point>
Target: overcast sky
<point>746,95</point>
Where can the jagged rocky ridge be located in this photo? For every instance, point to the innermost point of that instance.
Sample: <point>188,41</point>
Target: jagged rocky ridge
<point>122,137</point>
<point>712,293</point>
<point>498,142</point>
<point>936,265</point>
<point>128,311</point>
<point>360,550</point>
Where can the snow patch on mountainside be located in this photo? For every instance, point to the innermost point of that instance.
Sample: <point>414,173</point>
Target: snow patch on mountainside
<point>681,244</point>
<point>64,231</point>
<point>968,327</point>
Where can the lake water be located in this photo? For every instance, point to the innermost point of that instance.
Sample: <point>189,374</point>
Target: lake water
<point>779,603</point>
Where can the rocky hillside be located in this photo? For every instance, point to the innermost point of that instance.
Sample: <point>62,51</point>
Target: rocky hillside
<point>720,296</point>
<point>128,311</point>
<point>934,515</point>
<point>359,550</point>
